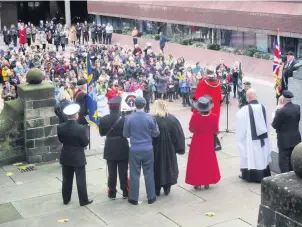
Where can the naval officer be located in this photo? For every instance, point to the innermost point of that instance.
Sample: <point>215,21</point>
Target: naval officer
<point>74,138</point>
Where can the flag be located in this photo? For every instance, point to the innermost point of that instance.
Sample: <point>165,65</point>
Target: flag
<point>91,96</point>
<point>277,64</point>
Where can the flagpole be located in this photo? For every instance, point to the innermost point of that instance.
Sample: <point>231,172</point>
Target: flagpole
<point>276,76</point>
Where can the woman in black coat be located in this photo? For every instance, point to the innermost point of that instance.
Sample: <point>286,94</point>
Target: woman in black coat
<point>170,142</point>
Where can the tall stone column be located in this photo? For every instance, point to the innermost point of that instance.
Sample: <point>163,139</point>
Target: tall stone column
<point>40,121</point>
<point>67,13</point>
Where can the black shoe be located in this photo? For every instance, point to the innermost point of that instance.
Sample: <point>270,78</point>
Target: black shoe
<point>111,194</point>
<point>125,194</point>
<point>66,202</point>
<point>197,187</point>
<point>87,203</point>
<point>157,192</point>
<point>150,201</point>
<point>207,187</point>
<point>133,202</point>
<point>167,190</point>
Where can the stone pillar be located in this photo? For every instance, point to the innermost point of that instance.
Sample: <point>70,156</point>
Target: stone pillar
<point>281,198</point>
<point>40,122</point>
<point>295,86</point>
<point>67,13</point>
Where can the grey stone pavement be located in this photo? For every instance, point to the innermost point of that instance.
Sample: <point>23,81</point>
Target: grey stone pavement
<point>33,199</point>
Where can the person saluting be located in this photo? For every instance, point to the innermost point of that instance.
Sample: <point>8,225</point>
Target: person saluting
<point>74,138</point>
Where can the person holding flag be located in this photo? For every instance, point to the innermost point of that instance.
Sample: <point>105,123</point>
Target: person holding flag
<point>91,98</point>
<point>276,66</point>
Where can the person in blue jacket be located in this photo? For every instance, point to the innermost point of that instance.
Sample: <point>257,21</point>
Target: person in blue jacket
<point>162,42</point>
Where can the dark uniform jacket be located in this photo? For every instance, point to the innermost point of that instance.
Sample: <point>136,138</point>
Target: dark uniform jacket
<point>74,138</point>
<point>242,99</point>
<point>287,73</point>
<point>80,98</point>
<point>286,123</point>
<point>116,146</point>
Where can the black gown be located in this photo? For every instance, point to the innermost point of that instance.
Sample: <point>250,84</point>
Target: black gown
<point>170,142</point>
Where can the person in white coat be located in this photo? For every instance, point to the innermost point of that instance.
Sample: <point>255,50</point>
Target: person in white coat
<point>252,138</point>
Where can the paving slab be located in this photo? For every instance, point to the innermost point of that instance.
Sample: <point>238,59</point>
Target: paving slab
<point>226,209</point>
<point>146,221</point>
<point>94,163</point>
<point>234,223</point>
<point>5,181</point>
<point>120,210</point>
<point>26,191</point>
<point>77,217</point>
<point>8,213</point>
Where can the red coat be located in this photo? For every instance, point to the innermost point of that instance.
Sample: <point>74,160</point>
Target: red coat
<point>111,93</point>
<point>22,36</point>
<point>212,89</point>
<point>202,167</point>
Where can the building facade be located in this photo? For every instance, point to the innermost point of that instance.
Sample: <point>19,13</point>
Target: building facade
<point>229,23</point>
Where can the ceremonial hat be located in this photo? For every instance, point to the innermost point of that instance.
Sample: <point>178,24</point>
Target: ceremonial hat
<point>247,83</point>
<point>210,73</point>
<point>81,82</point>
<point>71,109</point>
<point>115,101</point>
<point>290,53</point>
<point>203,104</point>
<point>140,102</point>
<point>287,94</point>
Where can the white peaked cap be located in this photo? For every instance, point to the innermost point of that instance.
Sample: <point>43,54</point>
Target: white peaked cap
<point>71,109</point>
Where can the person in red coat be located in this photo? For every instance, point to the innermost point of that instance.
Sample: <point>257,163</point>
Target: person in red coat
<point>22,35</point>
<point>202,166</point>
<point>210,86</point>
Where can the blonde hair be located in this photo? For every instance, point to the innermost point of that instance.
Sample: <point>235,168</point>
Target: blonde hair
<point>160,108</point>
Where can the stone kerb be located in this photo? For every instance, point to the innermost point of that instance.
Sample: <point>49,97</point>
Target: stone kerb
<point>40,122</point>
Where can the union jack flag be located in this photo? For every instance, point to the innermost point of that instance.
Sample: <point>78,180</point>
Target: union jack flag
<point>277,64</point>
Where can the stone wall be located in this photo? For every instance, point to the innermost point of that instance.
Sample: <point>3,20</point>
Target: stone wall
<point>12,133</point>
<point>40,122</point>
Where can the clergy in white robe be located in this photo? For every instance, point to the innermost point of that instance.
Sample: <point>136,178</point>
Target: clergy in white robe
<point>252,138</point>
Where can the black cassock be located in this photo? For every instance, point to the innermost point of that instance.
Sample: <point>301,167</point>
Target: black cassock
<point>170,142</point>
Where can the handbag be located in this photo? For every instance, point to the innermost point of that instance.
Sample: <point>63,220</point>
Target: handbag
<point>217,143</point>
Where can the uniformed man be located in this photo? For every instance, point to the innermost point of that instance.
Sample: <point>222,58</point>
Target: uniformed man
<point>242,98</point>
<point>79,32</point>
<point>85,31</point>
<point>93,31</point>
<point>74,138</point>
<point>286,123</point>
<point>116,149</point>
<point>80,98</point>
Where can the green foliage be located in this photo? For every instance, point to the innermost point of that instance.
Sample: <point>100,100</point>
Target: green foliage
<point>126,30</point>
<point>250,51</point>
<point>200,45</point>
<point>118,31</point>
<point>266,56</point>
<point>156,37</point>
<point>257,55</point>
<point>214,46</point>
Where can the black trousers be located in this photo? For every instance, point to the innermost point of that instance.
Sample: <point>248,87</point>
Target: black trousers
<point>100,37</point>
<point>28,40</point>
<point>134,40</point>
<point>85,37</point>
<point>79,38</point>
<point>285,159</point>
<point>122,168</point>
<point>68,173</point>
<point>94,37</point>
<point>185,98</point>
<point>108,38</point>
<point>171,95</point>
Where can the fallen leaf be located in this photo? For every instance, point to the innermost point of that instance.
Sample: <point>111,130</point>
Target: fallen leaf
<point>23,168</point>
<point>18,164</point>
<point>210,214</point>
<point>9,174</point>
<point>62,221</point>
<point>139,202</point>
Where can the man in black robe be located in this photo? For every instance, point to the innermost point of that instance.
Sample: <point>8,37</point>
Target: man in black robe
<point>116,149</point>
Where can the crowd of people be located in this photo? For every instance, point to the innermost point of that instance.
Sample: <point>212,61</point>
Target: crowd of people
<point>155,140</point>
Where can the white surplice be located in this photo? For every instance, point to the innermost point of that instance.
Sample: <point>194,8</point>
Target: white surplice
<point>252,155</point>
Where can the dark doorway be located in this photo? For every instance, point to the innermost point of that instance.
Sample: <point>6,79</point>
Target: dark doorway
<point>79,11</point>
<point>33,12</point>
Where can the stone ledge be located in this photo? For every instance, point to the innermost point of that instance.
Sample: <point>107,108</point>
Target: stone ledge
<point>282,193</point>
<point>28,92</point>
<point>270,218</point>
